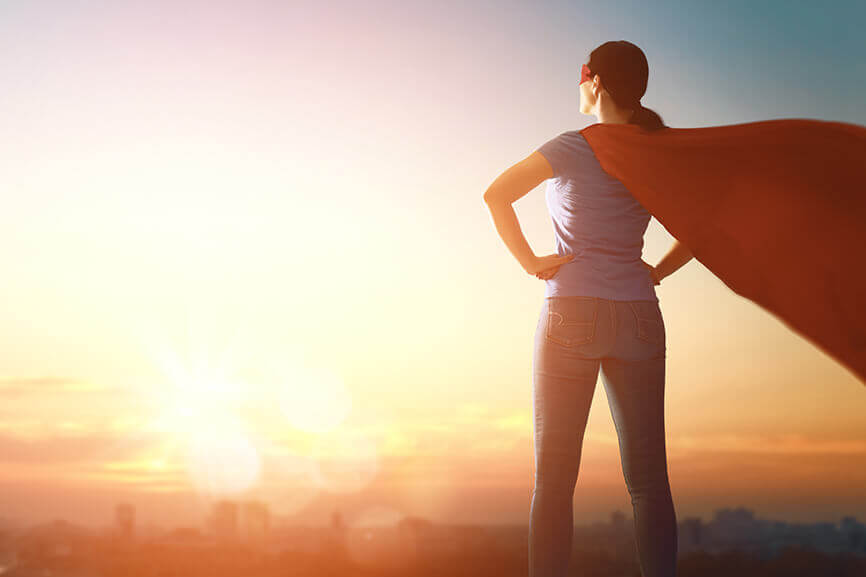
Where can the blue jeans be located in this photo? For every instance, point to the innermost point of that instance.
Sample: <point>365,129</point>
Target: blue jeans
<point>576,336</point>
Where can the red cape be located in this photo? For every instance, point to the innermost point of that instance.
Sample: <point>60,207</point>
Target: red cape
<point>776,209</point>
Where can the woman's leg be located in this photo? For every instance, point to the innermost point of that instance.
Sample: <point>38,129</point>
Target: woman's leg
<point>564,378</point>
<point>635,389</point>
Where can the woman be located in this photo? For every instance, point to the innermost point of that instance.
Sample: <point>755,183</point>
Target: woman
<point>600,314</point>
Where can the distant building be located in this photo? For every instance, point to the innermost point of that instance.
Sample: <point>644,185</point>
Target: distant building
<point>224,519</point>
<point>255,520</point>
<point>691,534</point>
<point>337,539</point>
<point>854,534</point>
<point>124,520</point>
<point>337,522</point>
<point>735,527</point>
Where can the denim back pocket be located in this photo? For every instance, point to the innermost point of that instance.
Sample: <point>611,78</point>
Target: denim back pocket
<point>571,320</point>
<point>649,321</point>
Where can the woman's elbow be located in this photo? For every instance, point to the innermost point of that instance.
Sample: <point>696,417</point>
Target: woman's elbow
<point>492,196</point>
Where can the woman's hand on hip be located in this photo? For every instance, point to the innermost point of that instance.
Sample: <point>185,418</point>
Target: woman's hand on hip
<point>549,265</point>
<point>544,267</point>
<point>654,275</point>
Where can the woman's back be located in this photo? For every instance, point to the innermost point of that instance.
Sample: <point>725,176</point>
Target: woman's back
<point>598,220</point>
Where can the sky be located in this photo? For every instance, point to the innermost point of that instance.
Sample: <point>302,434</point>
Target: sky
<point>245,255</point>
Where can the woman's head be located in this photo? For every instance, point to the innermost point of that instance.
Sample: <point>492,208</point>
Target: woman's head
<point>618,73</point>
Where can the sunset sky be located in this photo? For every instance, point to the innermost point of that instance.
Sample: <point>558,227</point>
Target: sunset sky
<point>245,253</point>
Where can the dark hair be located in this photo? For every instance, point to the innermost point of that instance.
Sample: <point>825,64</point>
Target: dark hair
<point>624,70</point>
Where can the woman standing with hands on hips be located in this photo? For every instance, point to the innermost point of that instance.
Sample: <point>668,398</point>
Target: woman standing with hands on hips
<point>600,313</point>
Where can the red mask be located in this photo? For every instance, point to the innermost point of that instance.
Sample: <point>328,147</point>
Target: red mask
<point>585,73</point>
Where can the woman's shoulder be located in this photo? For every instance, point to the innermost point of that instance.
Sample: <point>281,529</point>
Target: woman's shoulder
<point>573,136</point>
<point>567,143</point>
<point>568,153</point>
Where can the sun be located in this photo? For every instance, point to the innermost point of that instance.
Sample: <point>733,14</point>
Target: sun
<point>199,410</point>
<point>205,409</point>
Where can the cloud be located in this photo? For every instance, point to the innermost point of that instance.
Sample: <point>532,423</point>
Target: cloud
<point>67,449</point>
<point>15,387</point>
<point>774,444</point>
<point>44,407</point>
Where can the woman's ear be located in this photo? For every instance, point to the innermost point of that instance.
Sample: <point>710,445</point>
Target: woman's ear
<point>596,86</point>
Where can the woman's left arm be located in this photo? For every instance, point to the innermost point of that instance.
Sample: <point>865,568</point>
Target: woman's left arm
<point>508,187</point>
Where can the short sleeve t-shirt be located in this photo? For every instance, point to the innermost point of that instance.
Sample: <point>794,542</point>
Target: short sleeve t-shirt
<point>596,219</point>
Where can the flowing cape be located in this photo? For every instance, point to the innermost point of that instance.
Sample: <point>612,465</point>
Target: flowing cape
<point>776,209</point>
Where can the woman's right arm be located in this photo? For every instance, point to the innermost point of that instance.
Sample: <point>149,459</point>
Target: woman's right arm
<point>673,260</point>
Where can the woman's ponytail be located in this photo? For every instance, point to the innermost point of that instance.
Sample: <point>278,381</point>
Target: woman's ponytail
<point>646,118</point>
